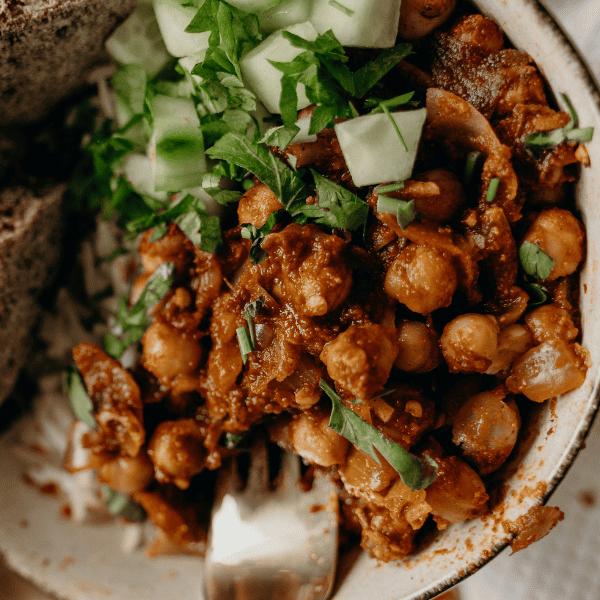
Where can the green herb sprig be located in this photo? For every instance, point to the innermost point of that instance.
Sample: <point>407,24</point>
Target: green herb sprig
<point>535,261</point>
<point>121,505</point>
<point>415,472</point>
<point>133,323</point>
<point>81,403</point>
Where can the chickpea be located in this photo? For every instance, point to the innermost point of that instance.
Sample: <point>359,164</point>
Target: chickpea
<point>314,441</point>
<point>469,342</point>
<point>422,278</point>
<point>169,352</point>
<point>360,359</point>
<point>513,341</point>
<point>257,204</point>
<point>550,321</point>
<point>127,474</point>
<point>560,235</point>
<point>486,429</point>
<point>418,350</point>
<point>171,247</point>
<point>177,451</point>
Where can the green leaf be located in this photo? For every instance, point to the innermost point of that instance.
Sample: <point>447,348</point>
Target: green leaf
<point>121,505</point>
<point>377,103</point>
<point>337,207</point>
<point>257,235</point>
<point>370,74</point>
<point>81,403</point>
<point>538,294</point>
<point>278,177</point>
<point>415,472</point>
<point>133,323</point>
<point>280,136</point>
<point>154,219</point>
<point>535,261</point>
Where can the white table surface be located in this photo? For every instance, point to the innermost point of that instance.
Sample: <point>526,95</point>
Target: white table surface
<point>551,568</point>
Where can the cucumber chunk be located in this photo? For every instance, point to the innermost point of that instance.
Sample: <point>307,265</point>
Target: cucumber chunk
<point>172,19</point>
<point>363,23</point>
<point>138,41</point>
<point>289,12</point>
<point>373,150</point>
<point>176,148</point>
<point>263,78</point>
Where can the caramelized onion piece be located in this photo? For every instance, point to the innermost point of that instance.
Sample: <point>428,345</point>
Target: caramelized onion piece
<point>461,125</point>
<point>116,399</point>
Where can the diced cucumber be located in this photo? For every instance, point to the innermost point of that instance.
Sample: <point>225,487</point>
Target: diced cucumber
<point>137,169</point>
<point>374,152</point>
<point>363,23</point>
<point>181,111</point>
<point>137,133</point>
<point>289,12</point>
<point>138,41</point>
<point>262,77</point>
<point>254,6</point>
<point>176,149</point>
<point>172,19</point>
<point>177,155</point>
<point>189,62</point>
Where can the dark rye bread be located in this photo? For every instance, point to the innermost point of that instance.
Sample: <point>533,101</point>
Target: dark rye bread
<point>46,46</point>
<point>30,233</point>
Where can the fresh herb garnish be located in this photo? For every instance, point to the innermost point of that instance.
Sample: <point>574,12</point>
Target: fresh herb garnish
<point>247,337</point>
<point>377,104</point>
<point>328,81</point>
<point>132,324</point>
<point>337,207</point>
<point>537,142</point>
<point>415,472</point>
<point>81,403</point>
<point>258,234</point>
<point>238,149</point>
<point>347,11</point>
<point>388,114</point>
<point>535,261</point>
<point>121,505</point>
<point>538,294</point>
<point>388,189</point>
<point>280,136</point>
<point>492,189</point>
<point>472,163</point>
<point>404,210</point>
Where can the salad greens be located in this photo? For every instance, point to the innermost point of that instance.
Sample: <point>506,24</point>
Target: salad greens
<point>415,472</point>
<point>535,261</point>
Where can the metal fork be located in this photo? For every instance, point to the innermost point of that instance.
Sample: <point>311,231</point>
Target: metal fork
<point>271,545</point>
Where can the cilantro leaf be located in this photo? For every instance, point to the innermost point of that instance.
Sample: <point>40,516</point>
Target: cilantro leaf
<point>370,74</point>
<point>81,403</point>
<point>535,261</point>
<point>280,136</point>
<point>337,207</point>
<point>133,323</point>
<point>278,177</point>
<point>415,472</point>
<point>538,294</point>
<point>377,103</point>
<point>257,235</point>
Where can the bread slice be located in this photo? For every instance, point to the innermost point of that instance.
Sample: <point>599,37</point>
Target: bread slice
<point>30,243</point>
<point>45,48</point>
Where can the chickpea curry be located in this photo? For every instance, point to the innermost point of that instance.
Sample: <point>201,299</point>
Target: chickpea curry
<point>436,329</point>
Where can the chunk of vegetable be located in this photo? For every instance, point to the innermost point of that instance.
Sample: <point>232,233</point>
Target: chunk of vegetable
<point>173,17</point>
<point>363,23</point>
<point>373,150</point>
<point>288,12</point>
<point>262,77</point>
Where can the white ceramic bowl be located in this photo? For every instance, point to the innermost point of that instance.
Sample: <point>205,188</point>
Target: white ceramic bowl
<point>86,563</point>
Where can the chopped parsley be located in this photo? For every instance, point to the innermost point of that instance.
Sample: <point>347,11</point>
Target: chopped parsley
<point>415,472</point>
<point>535,261</point>
<point>133,323</point>
<point>538,294</point>
<point>81,403</point>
